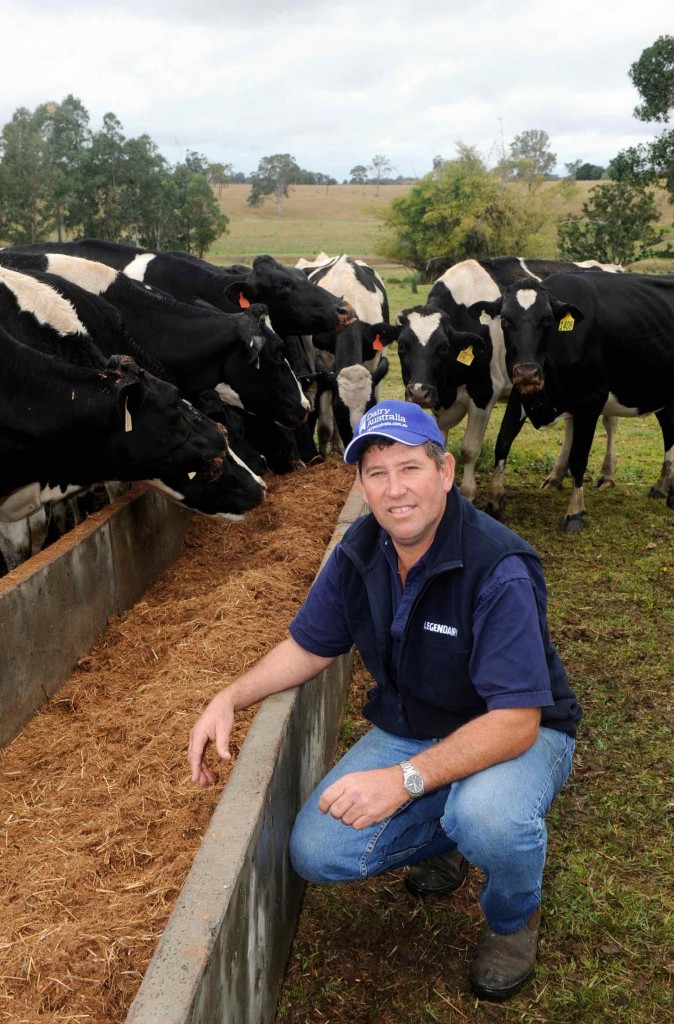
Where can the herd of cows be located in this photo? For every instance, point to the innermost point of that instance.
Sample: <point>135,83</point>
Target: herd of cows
<point>119,364</point>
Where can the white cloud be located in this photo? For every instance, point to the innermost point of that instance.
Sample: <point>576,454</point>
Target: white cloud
<point>335,85</point>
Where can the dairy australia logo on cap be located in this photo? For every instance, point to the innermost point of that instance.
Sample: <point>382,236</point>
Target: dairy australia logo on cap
<point>382,417</point>
<point>440,627</point>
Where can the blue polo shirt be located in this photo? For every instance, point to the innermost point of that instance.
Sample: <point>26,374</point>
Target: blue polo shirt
<point>508,665</point>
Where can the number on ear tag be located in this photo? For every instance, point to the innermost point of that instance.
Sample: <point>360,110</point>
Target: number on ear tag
<point>466,356</point>
<point>566,323</point>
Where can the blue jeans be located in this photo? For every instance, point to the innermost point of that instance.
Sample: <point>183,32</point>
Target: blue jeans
<point>496,818</point>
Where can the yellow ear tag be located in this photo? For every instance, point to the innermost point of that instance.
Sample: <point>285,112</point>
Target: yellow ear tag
<point>466,356</point>
<point>566,323</point>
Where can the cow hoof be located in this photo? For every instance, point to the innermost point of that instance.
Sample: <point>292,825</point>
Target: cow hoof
<point>574,523</point>
<point>551,484</point>
<point>654,493</point>
<point>603,482</point>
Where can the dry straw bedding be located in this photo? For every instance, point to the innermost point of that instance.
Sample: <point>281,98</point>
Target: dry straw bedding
<point>100,821</point>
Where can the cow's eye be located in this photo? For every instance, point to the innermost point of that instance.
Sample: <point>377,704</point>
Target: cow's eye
<point>505,323</point>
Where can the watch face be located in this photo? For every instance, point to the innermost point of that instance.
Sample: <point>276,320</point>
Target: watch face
<point>414,784</point>
<point>412,780</point>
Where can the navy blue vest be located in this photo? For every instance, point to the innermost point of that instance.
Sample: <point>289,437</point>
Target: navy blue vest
<point>433,694</point>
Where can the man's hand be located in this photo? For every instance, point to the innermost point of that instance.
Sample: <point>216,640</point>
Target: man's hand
<point>364,798</point>
<point>214,726</point>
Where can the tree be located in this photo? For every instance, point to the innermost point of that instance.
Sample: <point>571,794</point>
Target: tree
<point>458,211</point>
<point>530,158</point>
<point>381,168</point>
<point>24,216</point>
<point>64,128</point>
<point>653,76</point>
<point>358,175</point>
<point>273,177</point>
<point>616,226</point>
<point>219,175</point>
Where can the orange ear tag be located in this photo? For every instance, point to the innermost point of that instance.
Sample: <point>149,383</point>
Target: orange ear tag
<point>243,301</point>
<point>377,344</point>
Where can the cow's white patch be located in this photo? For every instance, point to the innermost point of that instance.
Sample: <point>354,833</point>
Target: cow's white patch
<point>614,408</point>
<point>354,386</point>
<point>424,326</point>
<point>159,485</point>
<point>137,268</point>
<point>526,272</point>
<point>468,282</point>
<point>304,401</point>
<point>88,274</point>
<point>240,462</point>
<point>43,301</point>
<point>229,395</point>
<point>341,281</point>
<point>526,297</point>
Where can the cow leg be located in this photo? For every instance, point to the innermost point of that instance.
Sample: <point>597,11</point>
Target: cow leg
<point>555,478</point>
<point>471,446</point>
<point>513,421</point>
<point>584,426</point>
<point>606,476</point>
<point>664,487</point>
<point>325,429</point>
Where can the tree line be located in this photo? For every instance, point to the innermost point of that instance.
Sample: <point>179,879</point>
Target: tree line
<point>58,176</point>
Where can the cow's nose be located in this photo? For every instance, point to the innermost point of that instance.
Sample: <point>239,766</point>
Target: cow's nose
<point>528,377</point>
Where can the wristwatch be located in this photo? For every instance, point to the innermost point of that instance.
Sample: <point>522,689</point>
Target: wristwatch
<point>412,780</point>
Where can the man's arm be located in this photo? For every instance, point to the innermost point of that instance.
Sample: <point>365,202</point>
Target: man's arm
<point>363,798</point>
<point>285,666</point>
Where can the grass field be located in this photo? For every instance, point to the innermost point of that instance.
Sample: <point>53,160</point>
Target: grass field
<point>343,218</point>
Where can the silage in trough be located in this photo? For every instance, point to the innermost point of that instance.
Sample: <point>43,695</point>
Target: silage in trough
<point>100,821</point>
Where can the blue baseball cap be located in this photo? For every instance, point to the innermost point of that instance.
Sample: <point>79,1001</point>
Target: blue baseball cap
<point>400,421</point>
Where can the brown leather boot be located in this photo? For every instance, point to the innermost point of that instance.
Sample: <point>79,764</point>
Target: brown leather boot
<point>439,875</point>
<point>504,963</point>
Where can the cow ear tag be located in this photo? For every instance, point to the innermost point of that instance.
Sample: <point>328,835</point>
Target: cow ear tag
<point>377,344</point>
<point>484,317</point>
<point>128,425</point>
<point>243,301</point>
<point>466,356</point>
<point>566,323</point>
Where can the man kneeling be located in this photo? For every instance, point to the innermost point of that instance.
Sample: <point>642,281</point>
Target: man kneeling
<point>473,718</point>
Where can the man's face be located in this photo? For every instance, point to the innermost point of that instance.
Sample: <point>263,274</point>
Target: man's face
<point>407,493</point>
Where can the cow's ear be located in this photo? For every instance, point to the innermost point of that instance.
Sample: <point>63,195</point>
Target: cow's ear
<point>129,400</point>
<point>241,293</point>
<point>469,349</point>
<point>402,319</point>
<point>380,335</point>
<point>491,309</point>
<point>566,311</point>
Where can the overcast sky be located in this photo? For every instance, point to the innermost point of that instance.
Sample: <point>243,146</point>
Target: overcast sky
<point>335,84</point>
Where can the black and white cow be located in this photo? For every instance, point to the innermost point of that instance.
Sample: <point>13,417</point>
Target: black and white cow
<point>593,344</point>
<point>198,348</point>
<point>34,310</point>
<point>463,285</point>
<point>294,305</point>
<point>350,365</point>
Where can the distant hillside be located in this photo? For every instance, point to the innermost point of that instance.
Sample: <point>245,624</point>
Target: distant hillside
<point>342,218</point>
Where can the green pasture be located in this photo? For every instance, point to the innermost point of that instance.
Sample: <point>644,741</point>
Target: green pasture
<point>369,952</point>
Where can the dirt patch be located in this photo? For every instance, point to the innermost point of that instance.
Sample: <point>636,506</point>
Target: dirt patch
<point>100,821</point>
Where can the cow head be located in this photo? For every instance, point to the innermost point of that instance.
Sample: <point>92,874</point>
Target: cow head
<point>152,429</point>
<point>436,360</point>
<point>259,374</point>
<point>296,306</point>
<point>532,319</point>
<point>353,391</point>
<point>236,491</point>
